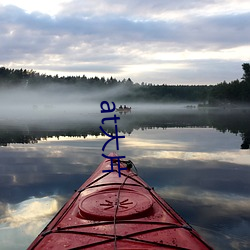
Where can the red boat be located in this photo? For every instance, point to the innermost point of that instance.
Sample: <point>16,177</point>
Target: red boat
<point>112,212</point>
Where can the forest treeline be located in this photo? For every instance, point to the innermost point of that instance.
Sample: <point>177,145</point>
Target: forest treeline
<point>236,91</point>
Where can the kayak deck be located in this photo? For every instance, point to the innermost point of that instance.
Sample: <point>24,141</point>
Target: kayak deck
<point>117,213</point>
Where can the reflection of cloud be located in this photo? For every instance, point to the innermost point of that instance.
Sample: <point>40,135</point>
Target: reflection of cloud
<point>146,150</point>
<point>200,144</point>
<point>25,220</point>
<point>228,203</point>
<point>221,218</point>
<point>29,213</point>
<point>56,157</point>
<point>225,156</point>
<point>22,222</point>
<point>143,143</point>
<point>229,240</point>
<point>187,139</point>
<point>2,209</point>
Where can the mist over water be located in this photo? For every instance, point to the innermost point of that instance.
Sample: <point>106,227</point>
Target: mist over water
<point>45,103</point>
<point>60,102</point>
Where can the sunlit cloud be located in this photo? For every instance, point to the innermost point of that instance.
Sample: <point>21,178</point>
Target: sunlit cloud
<point>224,54</point>
<point>45,6</point>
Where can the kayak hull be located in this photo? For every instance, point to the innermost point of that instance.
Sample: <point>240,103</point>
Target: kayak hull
<point>113,212</point>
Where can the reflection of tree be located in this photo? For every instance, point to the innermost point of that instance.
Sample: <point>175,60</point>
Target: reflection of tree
<point>16,137</point>
<point>246,141</point>
<point>236,122</point>
<point>222,120</point>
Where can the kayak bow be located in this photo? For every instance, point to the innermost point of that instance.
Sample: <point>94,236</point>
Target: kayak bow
<point>109,212</point>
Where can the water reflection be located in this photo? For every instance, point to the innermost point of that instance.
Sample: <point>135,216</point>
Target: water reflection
<point>23,131</point>
<point>20,222</point>
<point>195,165</point>
<point>28,211</point>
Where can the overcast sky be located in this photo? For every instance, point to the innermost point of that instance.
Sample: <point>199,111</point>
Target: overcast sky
<point>154,41</point>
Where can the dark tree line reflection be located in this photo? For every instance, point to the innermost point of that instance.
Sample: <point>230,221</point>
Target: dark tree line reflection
<point>233,121</point>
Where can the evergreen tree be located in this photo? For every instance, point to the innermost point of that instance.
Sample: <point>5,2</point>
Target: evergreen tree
<point>246,69</point>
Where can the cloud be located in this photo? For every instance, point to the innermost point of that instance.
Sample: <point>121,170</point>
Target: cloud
<point>137,9</point>
<point>115,38</point>
<point>44,31</point>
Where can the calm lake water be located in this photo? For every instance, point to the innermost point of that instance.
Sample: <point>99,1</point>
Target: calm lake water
<point>197,160</point>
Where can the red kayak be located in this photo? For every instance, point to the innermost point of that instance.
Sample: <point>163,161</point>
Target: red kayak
<point>112,212</point>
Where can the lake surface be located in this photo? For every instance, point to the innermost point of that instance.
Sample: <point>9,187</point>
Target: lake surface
<point>197,160</point>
